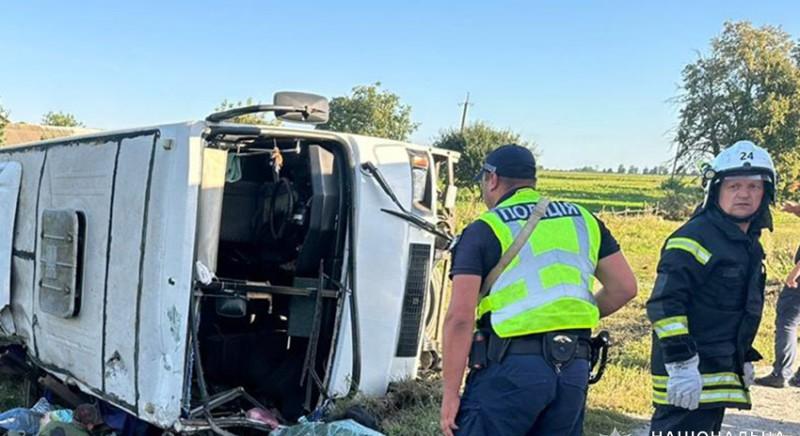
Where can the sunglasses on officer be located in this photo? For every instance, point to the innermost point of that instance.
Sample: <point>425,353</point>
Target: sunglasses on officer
<point>485,168</point>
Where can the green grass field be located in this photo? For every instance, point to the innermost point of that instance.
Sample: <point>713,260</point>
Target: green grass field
<point>601,191</point>
<point>598,191</point>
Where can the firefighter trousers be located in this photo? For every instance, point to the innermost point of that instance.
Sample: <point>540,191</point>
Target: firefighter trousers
<point>674,419</point>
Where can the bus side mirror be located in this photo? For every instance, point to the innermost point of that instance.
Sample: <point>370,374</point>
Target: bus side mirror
<point>316,109</point>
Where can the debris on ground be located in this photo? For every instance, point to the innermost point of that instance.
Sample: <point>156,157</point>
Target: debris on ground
<point>43,418</point>
<point>269,418</point>
<point>23,420</point>
<point>404,409</point>
<point>337,428</point>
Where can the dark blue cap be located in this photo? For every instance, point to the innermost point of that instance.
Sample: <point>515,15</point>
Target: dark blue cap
<point>510,160</point>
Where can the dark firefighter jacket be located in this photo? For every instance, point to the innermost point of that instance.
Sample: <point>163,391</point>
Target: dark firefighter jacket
<point>707,299</point>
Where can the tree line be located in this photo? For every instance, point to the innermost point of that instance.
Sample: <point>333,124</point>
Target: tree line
<point>53,119</point>
<point>632,169</point>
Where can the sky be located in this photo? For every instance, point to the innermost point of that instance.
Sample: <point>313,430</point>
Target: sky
<point>590,82</point>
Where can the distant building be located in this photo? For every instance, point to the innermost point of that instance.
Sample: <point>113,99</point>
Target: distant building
<point>21,133</point>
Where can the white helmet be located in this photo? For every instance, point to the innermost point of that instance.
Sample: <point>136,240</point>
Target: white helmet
<point>743,158</point>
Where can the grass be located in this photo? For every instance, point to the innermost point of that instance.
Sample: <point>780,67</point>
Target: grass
<point>12,392</point>
<point>407,409</point>
<point>599,191</point>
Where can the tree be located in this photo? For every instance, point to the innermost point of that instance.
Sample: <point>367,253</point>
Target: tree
<point>633,169</point>
<point>474,143</point>
<point>3,123</point>
<point>259,118</point>
<point>621,169</point>
<point>796,53</point>
<point>747,87</point>
<point>60,119</point>
<point>368,110</point>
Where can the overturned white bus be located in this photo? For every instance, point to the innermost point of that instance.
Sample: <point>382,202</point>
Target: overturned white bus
<point>178,269</point>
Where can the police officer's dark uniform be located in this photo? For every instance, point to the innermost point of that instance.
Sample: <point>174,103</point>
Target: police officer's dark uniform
<point>520,390</point>
<point>707,301</point>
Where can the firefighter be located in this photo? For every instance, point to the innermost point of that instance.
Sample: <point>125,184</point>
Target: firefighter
<point>530,357</point>
<point>709,294</point>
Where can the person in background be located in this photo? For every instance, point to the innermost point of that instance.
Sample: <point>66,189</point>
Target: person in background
<point>787,320</point>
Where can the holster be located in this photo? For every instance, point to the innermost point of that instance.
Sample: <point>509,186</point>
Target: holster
<point>478,352</point>
<point>600,344</point>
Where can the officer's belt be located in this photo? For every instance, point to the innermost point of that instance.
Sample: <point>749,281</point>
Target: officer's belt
<point>529,344</point>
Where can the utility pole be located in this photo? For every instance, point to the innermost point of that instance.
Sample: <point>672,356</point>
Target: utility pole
<point>465,104</point>
<point>675,162</point>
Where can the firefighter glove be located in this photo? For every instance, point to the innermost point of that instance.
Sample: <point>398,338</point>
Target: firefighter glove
<point>685,383</point>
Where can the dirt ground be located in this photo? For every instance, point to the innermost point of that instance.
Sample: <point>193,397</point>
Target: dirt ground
<point>775,411</point>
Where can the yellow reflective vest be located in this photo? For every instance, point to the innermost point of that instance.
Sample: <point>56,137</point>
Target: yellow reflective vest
<point>548,284</point>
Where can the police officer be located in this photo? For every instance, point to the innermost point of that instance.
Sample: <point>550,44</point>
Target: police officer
<point>708,296</point>
<point>535,322</point>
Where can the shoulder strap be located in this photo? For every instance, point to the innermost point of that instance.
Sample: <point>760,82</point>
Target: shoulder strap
<point>519,241</point>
